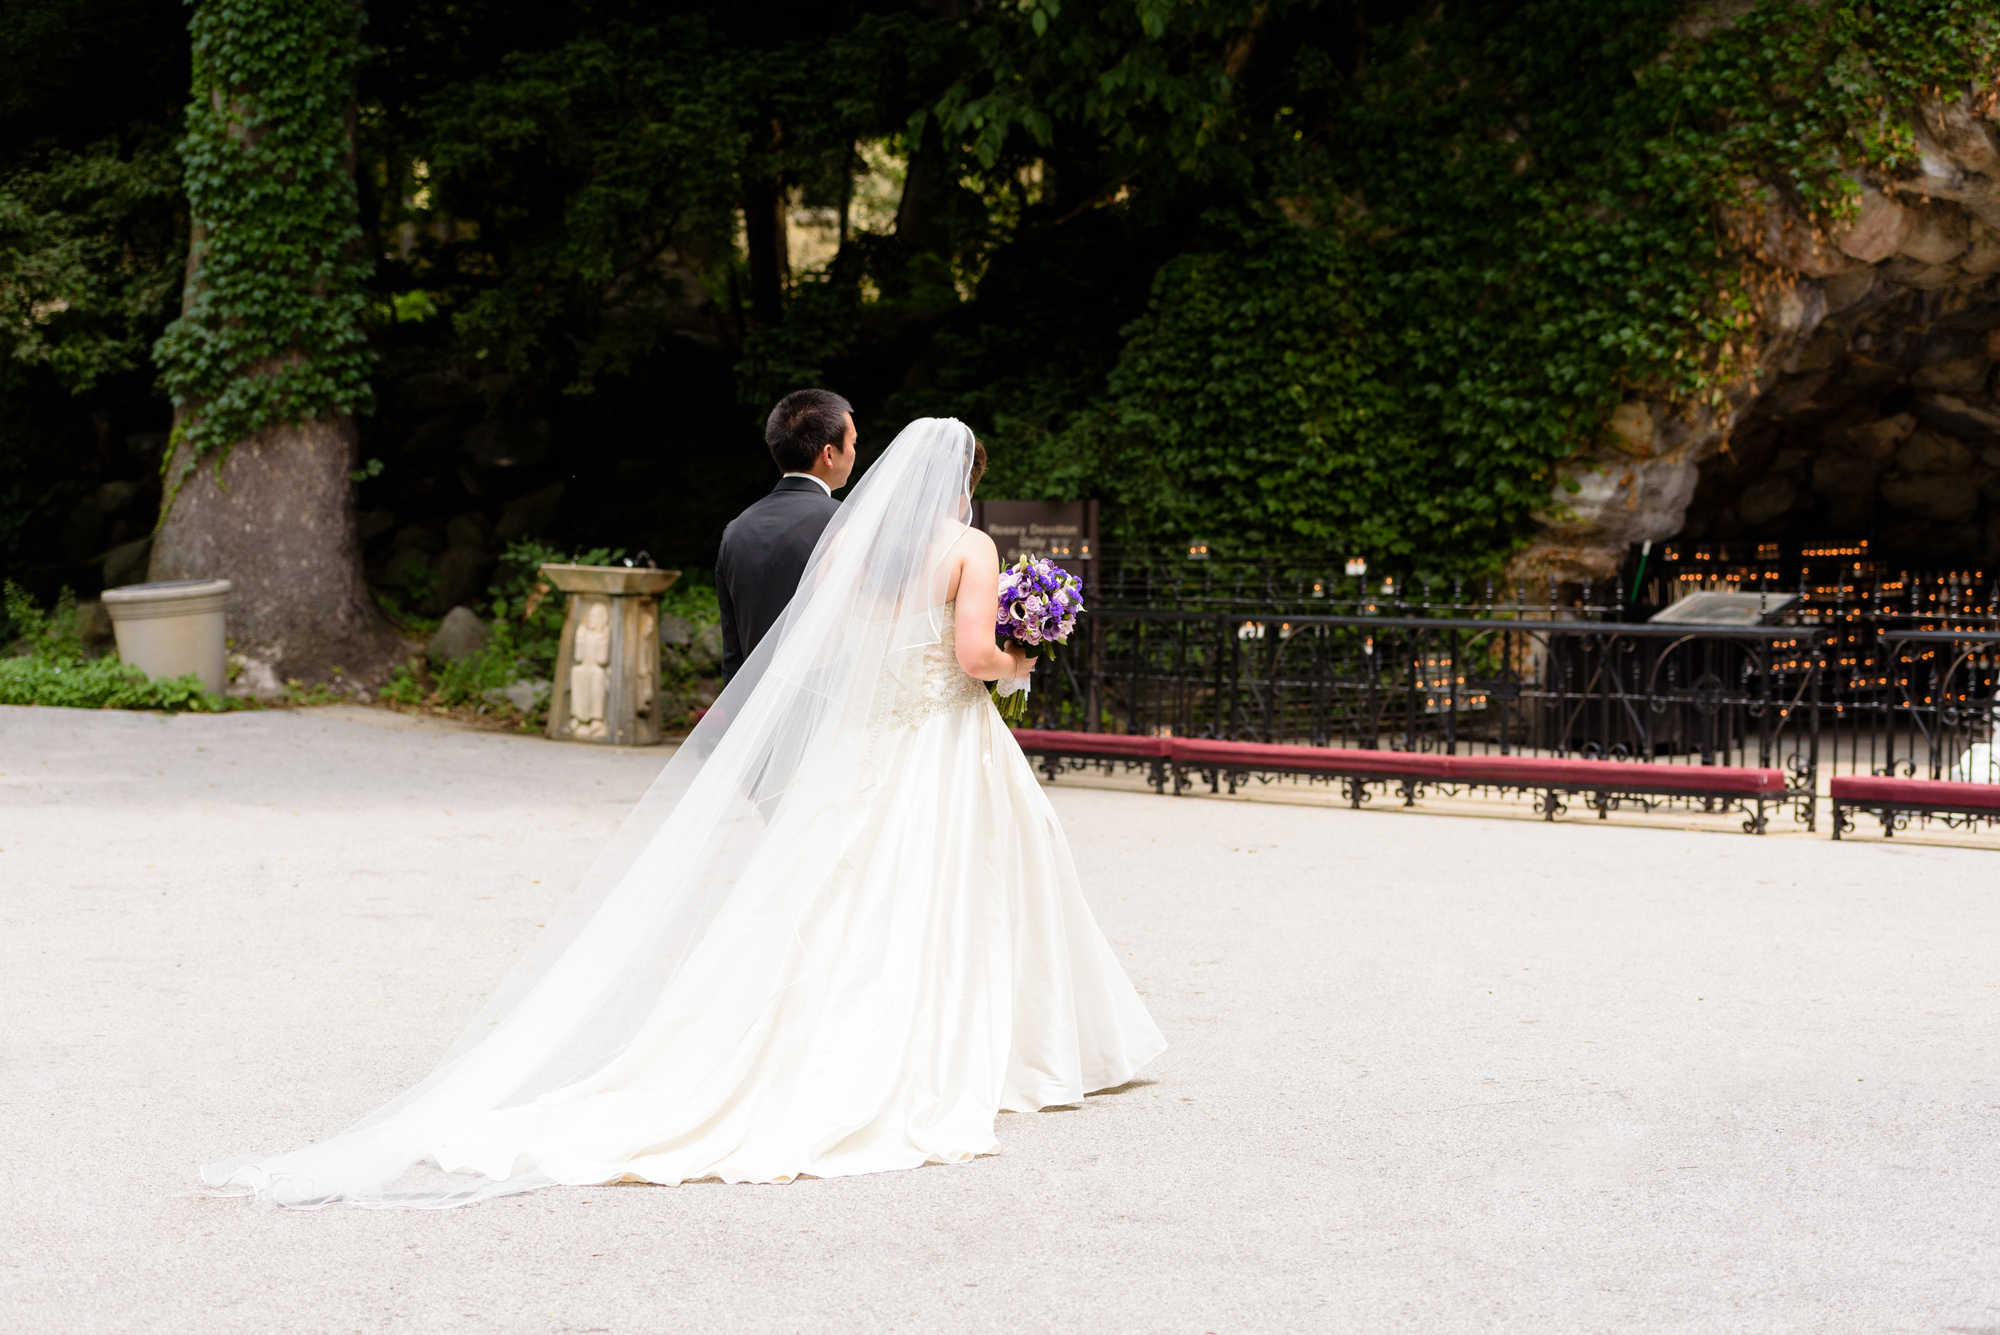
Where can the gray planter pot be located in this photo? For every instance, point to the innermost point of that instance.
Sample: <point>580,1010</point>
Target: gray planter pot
<point>172,629</point>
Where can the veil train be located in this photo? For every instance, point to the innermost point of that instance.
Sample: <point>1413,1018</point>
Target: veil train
<point>606,1051</point>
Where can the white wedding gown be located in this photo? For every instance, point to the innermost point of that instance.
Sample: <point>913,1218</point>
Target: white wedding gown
<point>839,934</point>
<point>872,993</point>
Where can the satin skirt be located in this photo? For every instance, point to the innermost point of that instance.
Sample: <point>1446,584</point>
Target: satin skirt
<point>883,980</point>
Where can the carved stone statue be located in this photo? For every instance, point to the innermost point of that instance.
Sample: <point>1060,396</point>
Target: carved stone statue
<point>607,685</point>
<point>588,675</point>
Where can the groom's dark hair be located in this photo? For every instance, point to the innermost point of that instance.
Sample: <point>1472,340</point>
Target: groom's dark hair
<point>805,422</point>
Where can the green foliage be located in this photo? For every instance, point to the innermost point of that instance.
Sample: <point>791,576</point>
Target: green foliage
<point>92,247</point>
<point>50,635</point>
<point>100,683</point>
<point>603,178</point>
<point>1282,274</point>
<point>1518,217</point>
<point>606,207</point>
<point>50,668</point>
<point>273,331</point>
<point>525,628</point>
<point>466,681</point>
<point>93,228</point>
<point>531,611</point>
<point>1799,95</point>
<point>694,602</point>
<point>1153,80</point>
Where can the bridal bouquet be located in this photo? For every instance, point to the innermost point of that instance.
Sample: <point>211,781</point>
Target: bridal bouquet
<point>1039,601</point>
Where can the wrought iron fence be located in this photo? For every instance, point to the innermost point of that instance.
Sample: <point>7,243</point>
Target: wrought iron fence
<point>1903,685</point>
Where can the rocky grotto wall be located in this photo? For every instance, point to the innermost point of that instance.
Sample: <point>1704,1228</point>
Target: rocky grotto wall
<point>1875,408</point>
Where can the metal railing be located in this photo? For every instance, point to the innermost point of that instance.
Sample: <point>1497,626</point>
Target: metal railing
<point>1283,656</point>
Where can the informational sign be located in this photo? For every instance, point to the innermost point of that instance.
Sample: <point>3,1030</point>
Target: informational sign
<point>1063,531</point>
<point>1725,609</point>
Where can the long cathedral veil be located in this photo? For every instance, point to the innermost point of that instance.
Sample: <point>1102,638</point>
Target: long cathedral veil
<point>787,745</point>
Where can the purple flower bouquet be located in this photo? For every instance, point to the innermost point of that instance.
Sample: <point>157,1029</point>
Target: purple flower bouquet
<point>1039,601</point>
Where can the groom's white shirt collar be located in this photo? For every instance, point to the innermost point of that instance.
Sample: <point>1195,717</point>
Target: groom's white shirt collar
<point>820,480</point>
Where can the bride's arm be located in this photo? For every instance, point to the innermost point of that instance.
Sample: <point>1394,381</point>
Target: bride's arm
<point>978,607</point>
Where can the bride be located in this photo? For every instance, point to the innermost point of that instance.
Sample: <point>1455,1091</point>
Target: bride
<point>840,933</point>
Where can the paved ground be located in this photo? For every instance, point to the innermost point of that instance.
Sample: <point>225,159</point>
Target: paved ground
<point>1431,1072</point>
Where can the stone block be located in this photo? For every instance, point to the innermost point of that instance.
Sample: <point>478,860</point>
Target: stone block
<point>1959,418</point>
<point>115,496</point>
<point>1840,474</point>
<point>1878,440</point>
<point>1627,503</point>
<point>1963,374</point>
<point>1938,234</point>
<point>372,524</point>
<point>461,573</point>
<point>460,635</point>
<point>126,564</point>
<point>1632,429</point>
<point>1928,451</point>
<point>1782,236</point>
<point>1945,497</point>
<point>1921,276</point>
<point>83,532</point>
<point>1967,138</point>
<point>1878,231</point>
<point>1982,257</point>
<point>469,530</point>
<point>1764,501</point>
<point>1794,395</point>
<point>1847,289</point>
<point>1822,351</point>
<point>527,695</point>
<point>418,538</point>
<point>676,630</point>
<point>93,624</point>
<point>527,516</point>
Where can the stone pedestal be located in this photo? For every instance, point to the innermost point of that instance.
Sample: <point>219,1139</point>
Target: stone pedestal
<point>607,686</point>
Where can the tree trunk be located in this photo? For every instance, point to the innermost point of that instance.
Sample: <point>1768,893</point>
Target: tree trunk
<point>764,238</point>
<point>280,529</point>
<point>279,523</point>
<point>927,187</point>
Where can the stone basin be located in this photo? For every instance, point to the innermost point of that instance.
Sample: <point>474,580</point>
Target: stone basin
<point>616,580</point>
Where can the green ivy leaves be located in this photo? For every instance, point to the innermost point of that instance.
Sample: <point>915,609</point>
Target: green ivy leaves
<point>1517,217</point>
<point>271,330</point>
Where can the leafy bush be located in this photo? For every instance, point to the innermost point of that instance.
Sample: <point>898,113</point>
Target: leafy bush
<point>52,670</point>
<point>528,614</point>
<point>1465,257</point>
<point>692,601</point>
<point>526,619</point>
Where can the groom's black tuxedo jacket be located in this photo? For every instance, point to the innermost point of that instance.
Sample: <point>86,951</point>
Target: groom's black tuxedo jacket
<point>764,551</point>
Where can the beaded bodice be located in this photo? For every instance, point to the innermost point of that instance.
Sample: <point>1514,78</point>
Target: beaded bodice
<point>930,682</point>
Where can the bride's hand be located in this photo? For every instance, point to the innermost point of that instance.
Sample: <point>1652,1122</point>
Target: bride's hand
<point>1023,665</point>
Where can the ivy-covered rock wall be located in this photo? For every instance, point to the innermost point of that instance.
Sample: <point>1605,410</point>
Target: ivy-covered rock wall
<point>1868,407</point>
<point>1558,258</point>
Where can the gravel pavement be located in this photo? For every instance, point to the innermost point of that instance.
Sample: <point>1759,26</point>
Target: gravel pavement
<point>1431,1072</point>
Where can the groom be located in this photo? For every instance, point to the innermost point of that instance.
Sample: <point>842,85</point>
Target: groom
<point>765,549</point>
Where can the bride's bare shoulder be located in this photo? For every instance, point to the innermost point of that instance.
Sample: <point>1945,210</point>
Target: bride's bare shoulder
<point>977,540</point>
